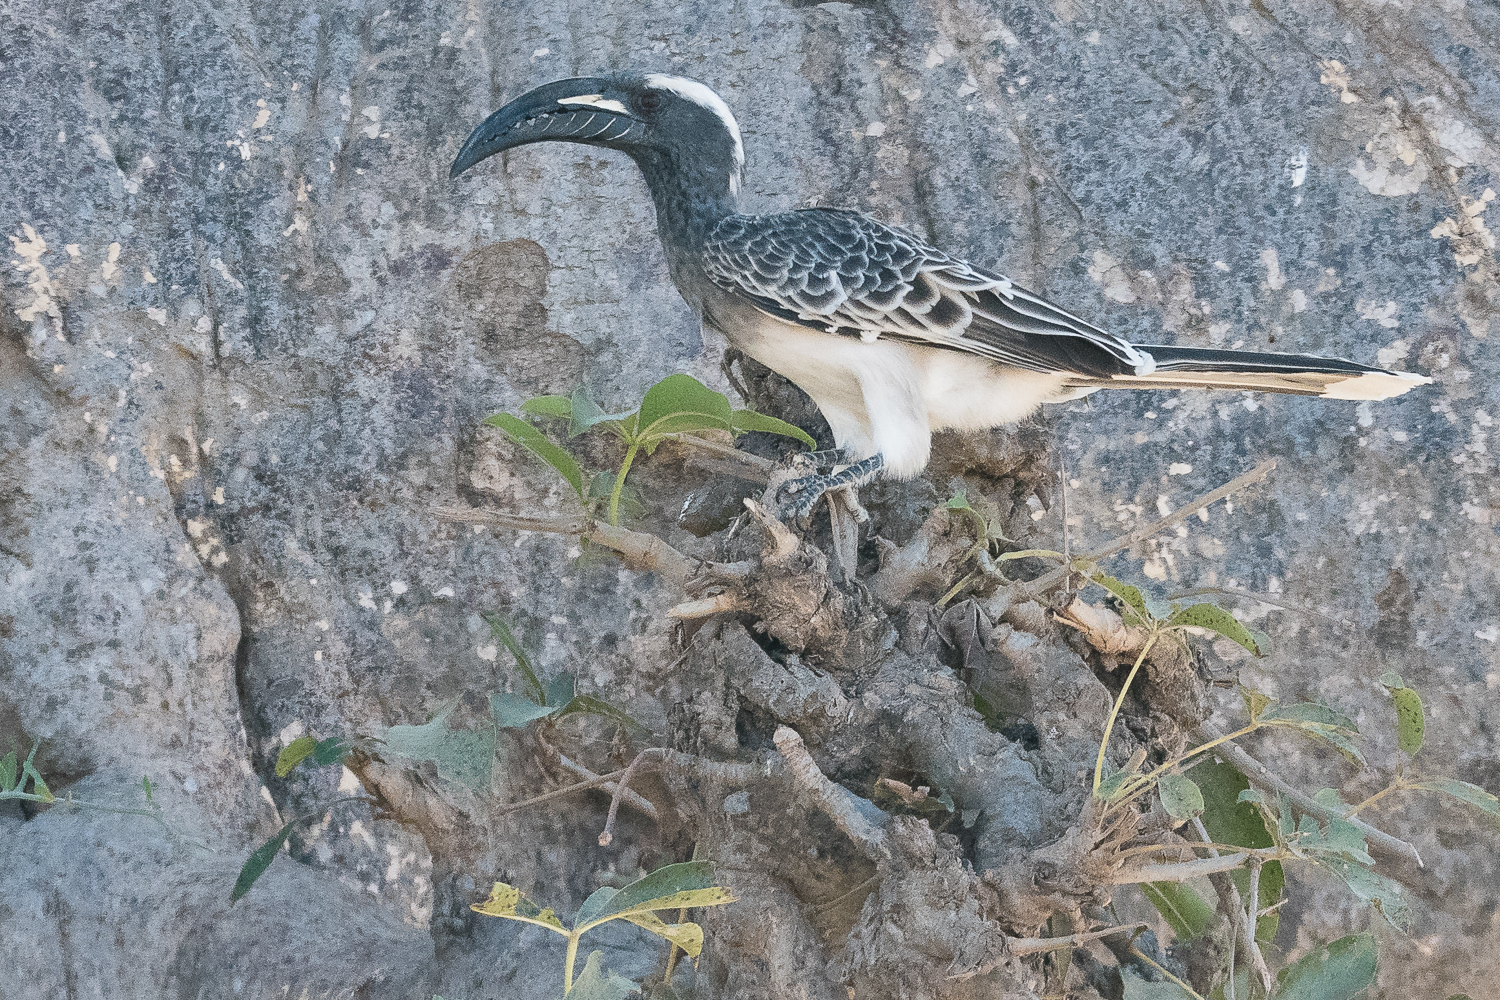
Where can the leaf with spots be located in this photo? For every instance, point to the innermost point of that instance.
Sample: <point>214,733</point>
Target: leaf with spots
<point>1463,791</point>
<point>1215,619</point>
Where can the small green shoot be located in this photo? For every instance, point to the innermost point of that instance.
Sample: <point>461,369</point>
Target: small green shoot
<point>675,887</point>
<point>678,406</point>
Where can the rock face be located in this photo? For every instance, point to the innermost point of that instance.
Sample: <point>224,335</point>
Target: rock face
<point>250,330</point>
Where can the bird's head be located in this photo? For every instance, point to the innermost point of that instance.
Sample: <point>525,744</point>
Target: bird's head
<point>663,122</point>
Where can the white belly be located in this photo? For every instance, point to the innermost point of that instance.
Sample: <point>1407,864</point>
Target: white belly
<point>887,397</point>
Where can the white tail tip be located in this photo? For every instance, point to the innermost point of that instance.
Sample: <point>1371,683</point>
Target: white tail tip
<point>1374,385</point>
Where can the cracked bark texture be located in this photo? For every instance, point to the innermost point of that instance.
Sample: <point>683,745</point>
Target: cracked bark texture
<point>250,329</point>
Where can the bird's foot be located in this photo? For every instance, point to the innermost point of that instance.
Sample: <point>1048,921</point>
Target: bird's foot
<point>798,497</point>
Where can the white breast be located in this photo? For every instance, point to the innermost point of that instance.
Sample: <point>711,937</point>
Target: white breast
<point>887,396</point>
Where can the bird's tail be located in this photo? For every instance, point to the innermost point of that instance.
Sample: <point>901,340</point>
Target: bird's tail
<point>1300,374</point>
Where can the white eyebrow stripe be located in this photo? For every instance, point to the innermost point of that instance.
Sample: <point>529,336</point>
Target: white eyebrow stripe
<point>596,101</point>
<point>701,95</point>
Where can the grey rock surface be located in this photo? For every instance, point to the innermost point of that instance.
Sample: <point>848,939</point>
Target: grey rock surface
<point>250,330</point>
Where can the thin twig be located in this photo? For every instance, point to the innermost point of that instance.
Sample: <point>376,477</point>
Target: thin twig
<point>1252,596</point>
<point>1047,581</point>
<point>1162,969</point>
<point>1021,947</point>
<point>640,549</point>
<point>1261,775</point>
<point>1182,871</point>
<point>1257,960</point>
<point>639,802</point>
<point>557,793</point>
<point>752,467</point>
<point>605,836</point>
<point>1034,946</point>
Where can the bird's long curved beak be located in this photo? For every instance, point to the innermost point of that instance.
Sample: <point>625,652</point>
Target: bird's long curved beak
<point>574,110</point>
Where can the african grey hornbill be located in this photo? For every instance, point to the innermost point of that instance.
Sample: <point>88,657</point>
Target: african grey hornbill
<point>890,337</point>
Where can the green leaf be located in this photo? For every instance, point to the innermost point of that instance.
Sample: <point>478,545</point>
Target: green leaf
<point>8,772</point>
<point>461,755</point>
<point>688,936</point>
<point>1255,702</point>
<point>293,754</point>
<point>510,903</point>
<point>587,414</point>
<point>680,403</point>
<point>260,859</point>
<point>560,690</point>
<point>1337,739</point>
<point>1461,790</point>
<point>511,712</point>
<point>1113,782</point>
<point>959,501</point>
<point>330,751</point>
<point>1338,971</point>
<point>1385,895</point>
<point>38,786</point>
<point>1189,914</point>
<point>147,787</point>
<point>1180,796</point>
<point>1135,602</point>
<point>542,447</point>
<point>1308,712</point>
<point>1234,813</point>
<point>560,407</point>
<point>501,631</point>
<point>1319,722</point>
<point>597,983</point>
<point>679,886</point>
<point>750,420</point>
<point>1410,725</point>
<point>1391,679</point>
<point>590,705</point>
<point>1338,838</point>
<point>1217,620</point>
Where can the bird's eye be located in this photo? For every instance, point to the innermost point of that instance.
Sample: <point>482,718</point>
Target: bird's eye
<point>649,101</point>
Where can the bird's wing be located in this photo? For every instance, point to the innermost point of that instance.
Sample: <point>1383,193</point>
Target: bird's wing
<point>843,273</point>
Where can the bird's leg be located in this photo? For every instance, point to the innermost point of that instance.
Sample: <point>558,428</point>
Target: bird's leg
<point>810,489</point>
<point>821,459</point>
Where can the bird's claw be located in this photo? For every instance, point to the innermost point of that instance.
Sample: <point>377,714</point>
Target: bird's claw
<point>797,497</point>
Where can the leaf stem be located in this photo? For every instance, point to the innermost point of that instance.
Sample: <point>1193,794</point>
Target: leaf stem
<point>569,961</point>
<point>1394,786</point>
<point>614,496</point>
<point>1114,712</point>
<point>1131,788</point>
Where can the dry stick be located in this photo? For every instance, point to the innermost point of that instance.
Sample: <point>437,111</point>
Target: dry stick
<point>1043,583</point>
<point>750,467</point>
<point>1261,775</point>
<point>643,551</point>
<point>557,793</point>
<point>1250,920</point>
<point>605,836</point>
<point>1164,971</point>
<point>639,802</point>
<point>1229,895</point>
<point>1035,946</point>
<point>1020,947</point>
<point>1251,595</point>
